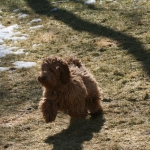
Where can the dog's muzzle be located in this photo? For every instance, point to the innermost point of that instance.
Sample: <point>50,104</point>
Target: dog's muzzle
<point>41,78</point>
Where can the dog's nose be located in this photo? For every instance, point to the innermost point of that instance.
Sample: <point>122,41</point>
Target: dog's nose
<point>41,78</point>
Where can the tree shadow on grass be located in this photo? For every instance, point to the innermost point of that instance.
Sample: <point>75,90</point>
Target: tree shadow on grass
<point>126,42</point>
<point>76,134</point>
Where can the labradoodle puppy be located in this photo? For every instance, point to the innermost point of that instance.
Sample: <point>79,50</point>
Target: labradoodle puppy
<point>69,87</point>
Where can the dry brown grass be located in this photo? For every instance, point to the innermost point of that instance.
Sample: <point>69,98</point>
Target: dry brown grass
<point>113,42</point>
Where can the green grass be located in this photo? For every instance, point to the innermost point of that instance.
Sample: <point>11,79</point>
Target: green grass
<point>113,41</point>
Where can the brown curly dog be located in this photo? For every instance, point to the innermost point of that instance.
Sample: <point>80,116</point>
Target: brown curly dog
<point>68,86</point>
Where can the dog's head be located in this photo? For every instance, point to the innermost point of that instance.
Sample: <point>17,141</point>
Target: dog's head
<point>54,72</point>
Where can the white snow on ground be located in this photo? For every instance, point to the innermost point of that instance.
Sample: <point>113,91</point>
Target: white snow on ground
<point>22,16</point>
<point>8,33</point>
<point>35,21</point>
<point>23,64</point>
<point>89,2</point>
<point>36,27</point>
<point>9,50</point>
<point>4,68</point>
<point>19,38</point>
<point>1,41</point>
<point>36,45</point>
<point>5,51</point>
<point>11,33</point>
<point>54,9</point>
<point>16,10</point>
<point>19,51</point>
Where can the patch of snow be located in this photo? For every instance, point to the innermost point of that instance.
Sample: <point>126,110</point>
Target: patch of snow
<point>22,16</point>
<point>89,2</point>
<point>1,17</point>
<point>8,33</point>
<point>14,47</point>
<point>20,51</point>
<point>36,27</point>
<point>11,33</point>
<point>54,9</point>
<point>16,10</point>
<point>17,32</point>
<point>1,41</point>
<point>4,68</point>
<point>5,51</point>
<point>18,38</point>
<point>23,64</point>
<point>35,45</point>
<point>101,1</point>
<point>35,21</point>
<point>9,50</point>
<point>25,35</point>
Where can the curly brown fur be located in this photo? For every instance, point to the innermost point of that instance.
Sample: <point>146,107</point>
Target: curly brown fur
<point>68,86</point>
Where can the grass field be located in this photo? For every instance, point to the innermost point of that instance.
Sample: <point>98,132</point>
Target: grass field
<point>111,39</point>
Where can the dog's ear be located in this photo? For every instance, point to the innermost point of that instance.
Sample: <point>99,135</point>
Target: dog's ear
<point>64,73</point>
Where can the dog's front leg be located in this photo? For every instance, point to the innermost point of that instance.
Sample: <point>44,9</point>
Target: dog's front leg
<point>49,109</point>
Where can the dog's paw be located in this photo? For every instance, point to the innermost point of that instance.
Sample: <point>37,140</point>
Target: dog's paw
<point>49,118</point>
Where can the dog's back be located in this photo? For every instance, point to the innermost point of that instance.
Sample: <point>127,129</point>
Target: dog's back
<point>77,68</point>
<point>72,61</point>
